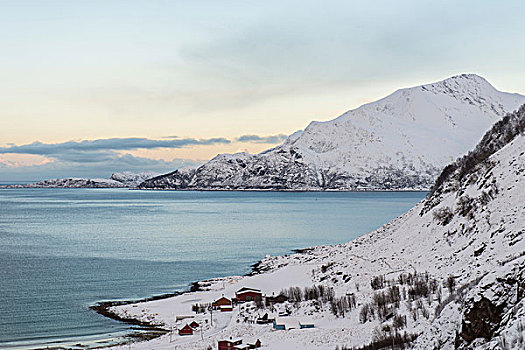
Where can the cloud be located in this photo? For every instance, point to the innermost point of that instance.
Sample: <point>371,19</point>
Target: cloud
<point>102,157</point>
<point>114,144</point>
<point>102,168</point>
<point>96,158</point>
<point>271,139</point>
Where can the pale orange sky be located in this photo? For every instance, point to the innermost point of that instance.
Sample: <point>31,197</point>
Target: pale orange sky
<point>74,71</point>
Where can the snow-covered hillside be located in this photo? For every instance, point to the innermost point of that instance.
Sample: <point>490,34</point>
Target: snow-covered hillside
<point>399,142</point>
<point>130,179</point>
<point>124,179</point>
<point>448,274</point>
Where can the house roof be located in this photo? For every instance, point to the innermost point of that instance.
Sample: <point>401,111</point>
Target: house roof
<point>222,299</point>
<point>235,340</point>
<point>248,290</point>
<point>288,322</point>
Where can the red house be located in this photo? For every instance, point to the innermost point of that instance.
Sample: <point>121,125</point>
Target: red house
<point>221,301</point>
<point>229,344</point>
<point>276,300</point>
<point>248,294</point>
<point>186,330</point>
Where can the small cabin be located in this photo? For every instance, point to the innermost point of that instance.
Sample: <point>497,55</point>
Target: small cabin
<point>186,330</point>
<point>194,325</point>
<point>248,294</point>
<point>276,300</point>
<point>287,323</point>
<point>229,344</point>
<point>221,301</point>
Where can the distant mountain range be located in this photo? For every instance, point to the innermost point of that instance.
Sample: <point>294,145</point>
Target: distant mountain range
<point>123,179</point>
<point>399,142</point>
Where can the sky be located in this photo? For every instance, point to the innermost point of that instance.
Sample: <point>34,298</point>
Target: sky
<point>92,87</point>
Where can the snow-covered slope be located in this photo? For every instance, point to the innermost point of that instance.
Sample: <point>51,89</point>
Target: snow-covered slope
<point>124,179</point>
<point>399,142</point>
<point>130,179</point>
<point>448,274</point>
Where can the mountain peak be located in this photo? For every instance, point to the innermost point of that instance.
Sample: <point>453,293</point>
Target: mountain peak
<point>401,141</point>
<point>463,83</point>
<point>468,76</point>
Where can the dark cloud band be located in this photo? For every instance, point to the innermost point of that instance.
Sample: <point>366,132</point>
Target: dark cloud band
<point>272,139</point>
<point>101,145</point>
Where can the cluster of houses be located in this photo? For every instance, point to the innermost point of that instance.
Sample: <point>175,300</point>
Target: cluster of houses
<point>246,294</point>
<point>188,329</point>
<point>243,295</point>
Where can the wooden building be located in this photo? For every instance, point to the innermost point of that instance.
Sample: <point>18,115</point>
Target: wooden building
<point>248,294</point>
<point>287,323</point>
<point>229,344</point>
<point>276,300</point>
<point>186,330</point>
<point>221,301</point>
<point>236,344</point>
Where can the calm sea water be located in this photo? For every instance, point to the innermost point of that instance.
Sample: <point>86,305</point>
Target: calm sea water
<point>62,250</point>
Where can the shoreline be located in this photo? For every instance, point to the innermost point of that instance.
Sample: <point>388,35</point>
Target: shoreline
<point>255,190</point>
<point>154,330</point>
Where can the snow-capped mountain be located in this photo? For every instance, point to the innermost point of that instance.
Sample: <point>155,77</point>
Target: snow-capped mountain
<point>123,179</point>
<point>130,179</point>
<point>448,274</point>
<point>399,142</point>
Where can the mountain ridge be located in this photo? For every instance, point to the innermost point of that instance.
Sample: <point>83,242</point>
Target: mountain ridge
<point>401,141</point>
<point>125,179</point>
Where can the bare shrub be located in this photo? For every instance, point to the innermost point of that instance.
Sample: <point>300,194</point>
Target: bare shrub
<point>377,282</point>
<point>450,283</point>
<point>366,313</point>
<point>443,215</point>
<point>386,340</point>
<point>466,206</point>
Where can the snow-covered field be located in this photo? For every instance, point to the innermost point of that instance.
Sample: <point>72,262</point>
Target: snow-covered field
<point>450,271</point>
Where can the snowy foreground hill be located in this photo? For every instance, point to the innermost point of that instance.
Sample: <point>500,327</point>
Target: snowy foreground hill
<point>399,142</point>
<point>448,274</point>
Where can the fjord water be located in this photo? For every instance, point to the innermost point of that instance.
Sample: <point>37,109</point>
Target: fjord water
<point>62,250</point>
